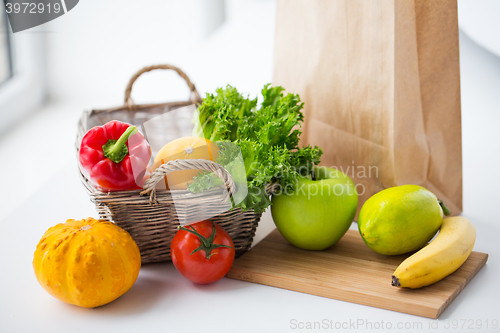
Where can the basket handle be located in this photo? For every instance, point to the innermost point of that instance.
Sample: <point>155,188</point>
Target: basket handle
<point>190,164</point>
<point>195,96</point>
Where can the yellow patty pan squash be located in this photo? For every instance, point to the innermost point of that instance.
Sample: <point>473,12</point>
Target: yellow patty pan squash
<point>188,147</point>
<point>87,263</point>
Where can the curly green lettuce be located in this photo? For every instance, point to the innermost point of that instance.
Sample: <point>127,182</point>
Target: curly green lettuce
<point>267,138</point>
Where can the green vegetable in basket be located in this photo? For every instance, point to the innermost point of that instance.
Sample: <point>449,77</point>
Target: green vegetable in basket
<point>267,137</point>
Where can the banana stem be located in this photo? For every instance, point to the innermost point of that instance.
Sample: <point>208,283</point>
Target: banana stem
<point>395,282</point>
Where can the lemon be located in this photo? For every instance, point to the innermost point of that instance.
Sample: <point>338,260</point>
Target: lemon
<point>188,147</point>
<point>400,219</point>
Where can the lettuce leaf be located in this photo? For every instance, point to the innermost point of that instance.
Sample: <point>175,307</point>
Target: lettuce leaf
<point>267,137</point>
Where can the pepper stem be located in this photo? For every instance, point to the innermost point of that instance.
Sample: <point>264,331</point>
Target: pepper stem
<point>445,209</point>
<point>207,244</point>
<point>116,150</point>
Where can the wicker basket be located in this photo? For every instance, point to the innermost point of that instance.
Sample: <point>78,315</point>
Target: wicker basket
<point>149,215</point>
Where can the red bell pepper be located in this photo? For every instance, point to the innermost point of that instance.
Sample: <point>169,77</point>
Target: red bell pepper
<point>114,156</point>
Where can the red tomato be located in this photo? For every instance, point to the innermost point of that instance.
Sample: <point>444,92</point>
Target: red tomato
<point>201,253</point>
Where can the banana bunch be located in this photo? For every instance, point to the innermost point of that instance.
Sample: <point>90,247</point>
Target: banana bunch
<point>444,255</point>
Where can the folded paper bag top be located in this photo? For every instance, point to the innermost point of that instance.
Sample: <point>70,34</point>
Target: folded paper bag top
<point>381,85</point>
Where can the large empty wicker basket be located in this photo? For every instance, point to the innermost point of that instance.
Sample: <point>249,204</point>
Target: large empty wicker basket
<point>152,218</point>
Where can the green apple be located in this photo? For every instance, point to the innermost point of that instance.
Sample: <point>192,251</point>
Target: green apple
<point>318,211</point>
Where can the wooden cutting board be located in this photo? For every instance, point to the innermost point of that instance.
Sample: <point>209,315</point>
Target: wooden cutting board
<point>349,271</point>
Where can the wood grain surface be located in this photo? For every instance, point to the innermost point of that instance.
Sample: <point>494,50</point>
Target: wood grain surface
<point>349,271</point>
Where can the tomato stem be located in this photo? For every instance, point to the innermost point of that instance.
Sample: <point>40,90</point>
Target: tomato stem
<point>207,244</point>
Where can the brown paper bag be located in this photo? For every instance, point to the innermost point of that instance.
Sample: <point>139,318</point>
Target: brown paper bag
<point>381,84</point>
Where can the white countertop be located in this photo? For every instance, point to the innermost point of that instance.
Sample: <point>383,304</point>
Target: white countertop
<point>164,301</point>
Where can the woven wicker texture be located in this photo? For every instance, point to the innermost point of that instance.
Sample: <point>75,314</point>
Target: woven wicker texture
<point>151,216</point>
